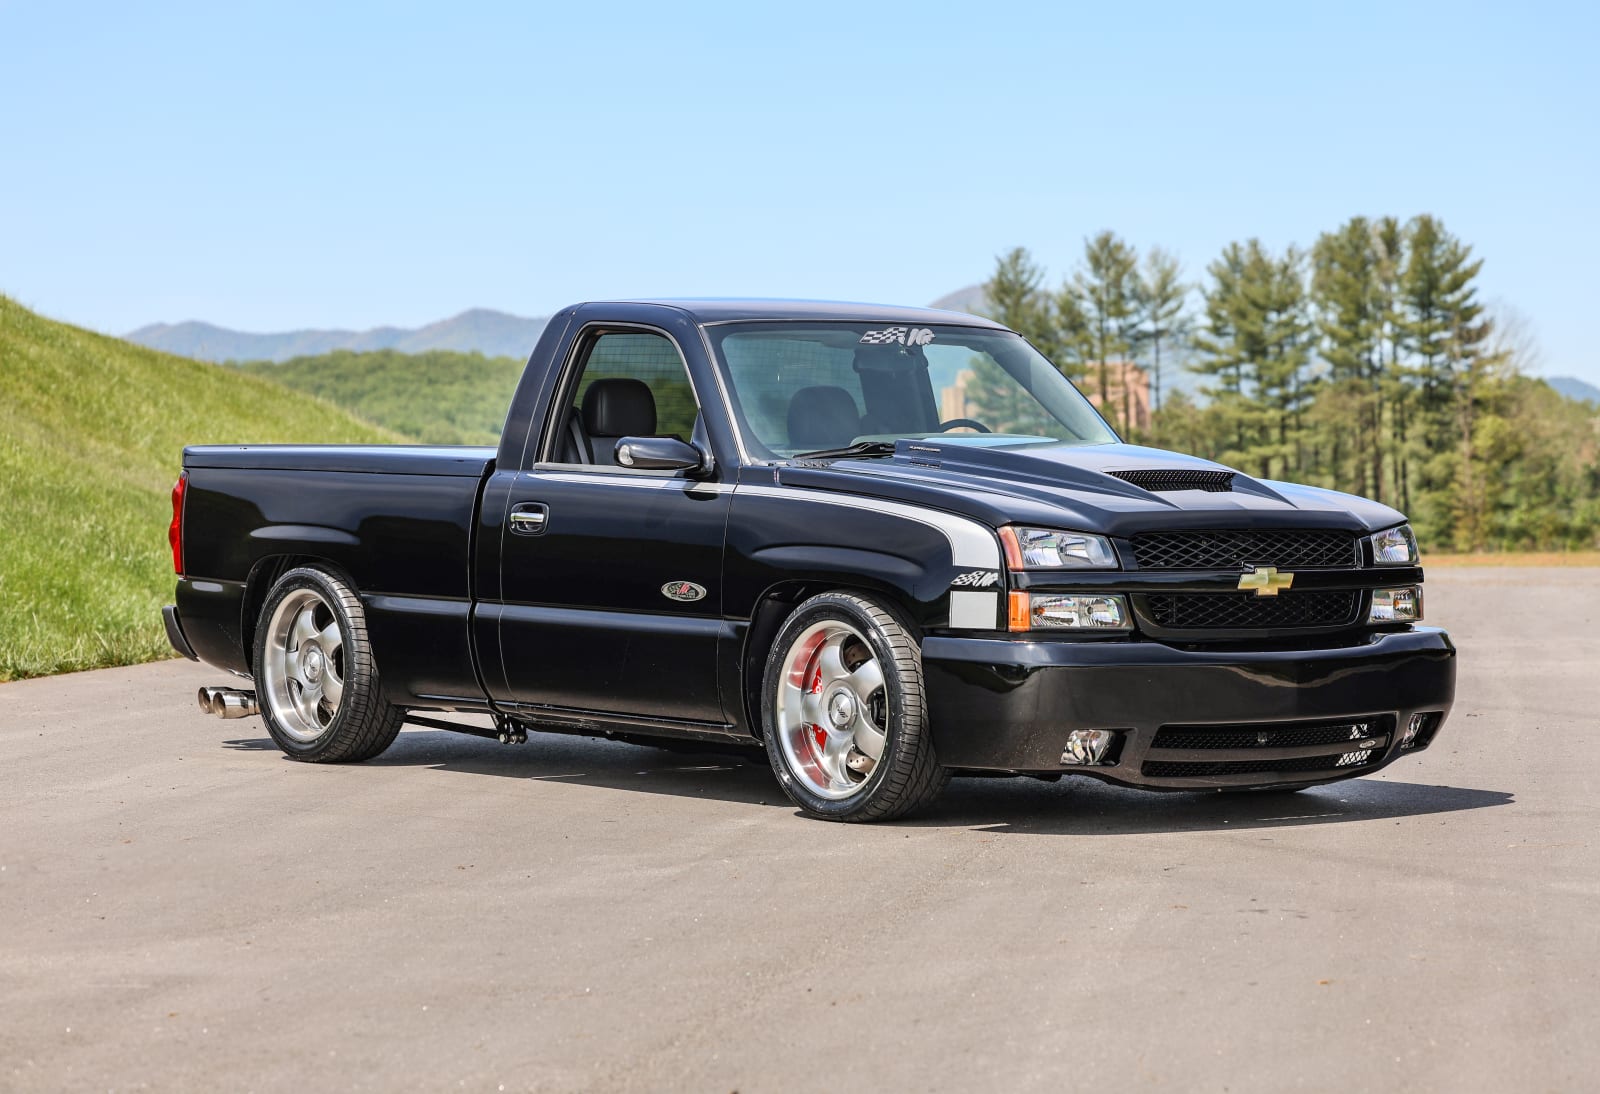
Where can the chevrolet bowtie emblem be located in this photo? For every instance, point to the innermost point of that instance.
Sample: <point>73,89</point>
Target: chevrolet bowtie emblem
<point>1265,580</point>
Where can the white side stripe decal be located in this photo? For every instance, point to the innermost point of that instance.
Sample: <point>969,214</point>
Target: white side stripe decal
<point>971,543</point>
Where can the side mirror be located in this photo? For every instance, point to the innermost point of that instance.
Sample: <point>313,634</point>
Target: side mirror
<point>660,454</point>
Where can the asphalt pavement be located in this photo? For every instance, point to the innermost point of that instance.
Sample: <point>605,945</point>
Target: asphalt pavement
<point>183,908</point>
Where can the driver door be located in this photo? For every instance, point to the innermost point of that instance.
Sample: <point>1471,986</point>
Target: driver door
<point>611,577</point>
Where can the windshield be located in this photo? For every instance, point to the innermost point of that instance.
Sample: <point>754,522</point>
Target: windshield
<point>805,387</point>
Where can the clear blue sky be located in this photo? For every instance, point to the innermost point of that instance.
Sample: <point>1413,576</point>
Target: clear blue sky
<point>283,165</point>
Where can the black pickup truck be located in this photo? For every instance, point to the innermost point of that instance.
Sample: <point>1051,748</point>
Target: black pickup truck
<point>887,544</point>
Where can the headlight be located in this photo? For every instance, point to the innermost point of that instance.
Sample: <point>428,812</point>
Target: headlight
<point>1044,549</point>
<point>1402,605</point>
<point>1394,547</point>
<point>1068,612</point>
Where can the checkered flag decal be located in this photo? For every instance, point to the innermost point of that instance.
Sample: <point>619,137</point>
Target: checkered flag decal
<point>884,337</point>
<point>899,336</point>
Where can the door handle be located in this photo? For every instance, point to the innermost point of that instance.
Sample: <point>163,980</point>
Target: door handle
<point>528,518</point>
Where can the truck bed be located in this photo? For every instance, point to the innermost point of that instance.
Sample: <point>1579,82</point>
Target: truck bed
<point>398,520</point>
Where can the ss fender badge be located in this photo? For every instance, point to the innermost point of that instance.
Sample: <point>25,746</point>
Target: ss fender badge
<point>683,591</point>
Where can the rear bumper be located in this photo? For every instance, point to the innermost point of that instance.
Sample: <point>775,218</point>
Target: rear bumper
<point>1008,705</point>
<point>207,617</point>
<point>175,635</point>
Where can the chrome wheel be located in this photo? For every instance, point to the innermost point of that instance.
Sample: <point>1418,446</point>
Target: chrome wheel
<point>304,665</point>
<point>831,710</point>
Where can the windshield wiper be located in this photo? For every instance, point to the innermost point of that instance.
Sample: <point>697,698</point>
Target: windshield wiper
<point>860,448</point>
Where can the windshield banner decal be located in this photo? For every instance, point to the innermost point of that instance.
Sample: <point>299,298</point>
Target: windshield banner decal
<point>903,336</point>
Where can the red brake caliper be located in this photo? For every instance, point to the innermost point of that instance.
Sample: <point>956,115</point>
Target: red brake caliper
<point>817,732</point>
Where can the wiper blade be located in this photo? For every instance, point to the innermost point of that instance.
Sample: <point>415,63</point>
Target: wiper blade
<point>860,448</point>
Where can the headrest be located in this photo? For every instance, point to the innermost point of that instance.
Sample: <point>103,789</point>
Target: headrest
<point>619,407</point>
<point>822,417</point>
<point>889,358</point>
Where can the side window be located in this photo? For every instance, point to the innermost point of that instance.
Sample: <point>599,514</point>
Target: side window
<point>630,384</point>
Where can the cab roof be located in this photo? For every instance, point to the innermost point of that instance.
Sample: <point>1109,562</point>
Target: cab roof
<point>735,310</point>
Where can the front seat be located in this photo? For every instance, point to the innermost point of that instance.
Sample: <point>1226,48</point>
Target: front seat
<point>823,417</point>
<point>617,407</point>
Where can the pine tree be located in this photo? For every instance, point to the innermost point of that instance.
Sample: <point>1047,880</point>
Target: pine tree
<point>1388,239</point>
<point>1445,332</point>
<point>1283,379</point>
<point>1182,425</point>
<point>1256,344</point>
<point>1345,290</point>
<point>1439,299</point>
<point>1104,290</point>
<point>1222,358</point>
<point>1162,296</point>
<point>1017,300</point>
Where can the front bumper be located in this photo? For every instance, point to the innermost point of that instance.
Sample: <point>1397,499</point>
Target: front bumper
<point>1004,704</point>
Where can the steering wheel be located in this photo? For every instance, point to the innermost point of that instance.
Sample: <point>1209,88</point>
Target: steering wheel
<point>956,423</point>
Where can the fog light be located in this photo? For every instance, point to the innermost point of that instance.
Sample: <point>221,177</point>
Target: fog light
<point>1088,746</point>
<point>1399,605</point>
<point>1055,611</point>
<point>1413,727</point>
<point>1419,730</point>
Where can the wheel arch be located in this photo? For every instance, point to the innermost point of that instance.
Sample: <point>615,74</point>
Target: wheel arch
<point>872,761</point>
<point>264,574</point>
<point>779,601</point>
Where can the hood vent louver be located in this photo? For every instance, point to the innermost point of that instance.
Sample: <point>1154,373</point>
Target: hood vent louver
<point>1217,482</point>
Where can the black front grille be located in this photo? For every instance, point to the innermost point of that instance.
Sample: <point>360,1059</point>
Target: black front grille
<point>1222,611</point>
<point>1266,735</point>
<point>1173,769</point>
<point>1216,482</point>
<point>1285,548</point>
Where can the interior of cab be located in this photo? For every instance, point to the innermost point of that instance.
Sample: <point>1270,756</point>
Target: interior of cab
<point>632,384</point>
<point>812,389</point>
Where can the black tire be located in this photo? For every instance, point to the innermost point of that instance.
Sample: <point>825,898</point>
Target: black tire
<point>360,724</point>
<point>906,776</point>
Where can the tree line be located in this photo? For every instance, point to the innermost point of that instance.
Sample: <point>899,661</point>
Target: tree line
<point>1367,364</point>
<point>436,397</point>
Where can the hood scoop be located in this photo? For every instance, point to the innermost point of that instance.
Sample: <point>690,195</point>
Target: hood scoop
<point>1178,478</point>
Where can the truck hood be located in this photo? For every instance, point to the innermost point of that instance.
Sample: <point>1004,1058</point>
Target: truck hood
<point>1076,487</point>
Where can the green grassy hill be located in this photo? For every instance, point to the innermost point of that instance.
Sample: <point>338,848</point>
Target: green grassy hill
<point>92,431</point>
<point>439,397</point>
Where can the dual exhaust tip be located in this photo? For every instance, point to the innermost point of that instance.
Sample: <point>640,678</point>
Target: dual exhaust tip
<point>228,702</point>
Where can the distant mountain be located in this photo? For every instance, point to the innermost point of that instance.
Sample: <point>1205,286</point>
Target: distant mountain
<point>491,333</point>
<point>1574,388</point>
<point>970,300</point>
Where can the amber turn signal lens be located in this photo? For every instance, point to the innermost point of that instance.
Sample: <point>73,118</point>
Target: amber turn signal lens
<point>1008,540</point>
<point>1067,612</point>
<point>1018,616</point>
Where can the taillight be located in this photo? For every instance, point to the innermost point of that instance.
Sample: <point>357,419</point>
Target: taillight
<point>175,531</point>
